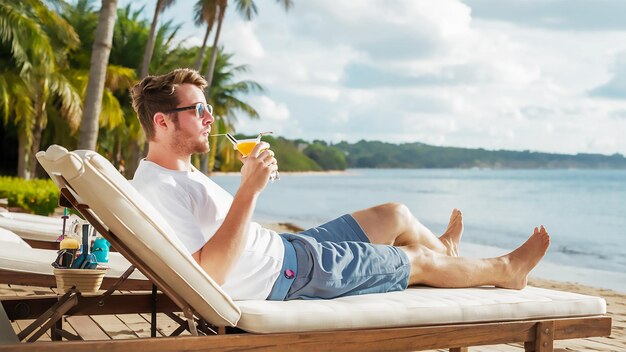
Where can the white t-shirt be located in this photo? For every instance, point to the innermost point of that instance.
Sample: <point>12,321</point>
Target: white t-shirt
<point>195,207</point>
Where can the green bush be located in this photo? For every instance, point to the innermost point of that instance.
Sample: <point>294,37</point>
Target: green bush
<point>328,157</point>
<point>35,196</point>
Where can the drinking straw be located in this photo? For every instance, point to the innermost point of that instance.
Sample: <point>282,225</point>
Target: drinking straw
<point>65,217</point>
<point>231,138</point>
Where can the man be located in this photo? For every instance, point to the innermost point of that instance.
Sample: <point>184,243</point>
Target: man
<point>380,249</point>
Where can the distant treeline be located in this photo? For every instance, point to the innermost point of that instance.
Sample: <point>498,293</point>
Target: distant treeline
<point>300,155</point>
<point>366,154</point>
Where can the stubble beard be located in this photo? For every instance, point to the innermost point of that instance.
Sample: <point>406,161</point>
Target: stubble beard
<point>186,144</point>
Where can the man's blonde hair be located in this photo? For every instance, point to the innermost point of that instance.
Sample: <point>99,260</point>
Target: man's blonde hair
<point>157,94</point>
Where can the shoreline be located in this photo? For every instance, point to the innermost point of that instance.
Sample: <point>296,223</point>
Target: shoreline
<point>352,170</point>
<point>321,173</point>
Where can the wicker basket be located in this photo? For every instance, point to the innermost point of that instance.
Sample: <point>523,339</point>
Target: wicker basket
<point>85,280</point>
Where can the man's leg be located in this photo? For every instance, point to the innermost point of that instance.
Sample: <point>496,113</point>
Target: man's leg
<point>394,224</point>
<point>509,271</point>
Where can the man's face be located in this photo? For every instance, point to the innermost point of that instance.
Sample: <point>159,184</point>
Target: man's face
<point>191,131</point>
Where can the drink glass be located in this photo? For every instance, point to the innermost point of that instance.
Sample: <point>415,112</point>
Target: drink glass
<point>245,146</point>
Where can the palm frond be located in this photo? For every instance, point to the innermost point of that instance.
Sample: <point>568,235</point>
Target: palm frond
<point>79,78</point>
<point>235,104</point>
<point>14,92</point>
<point>167,33</point>
<point>112,114</point>
<point>28,41</point>
<point>120,78</point>
<point>70,98</point>
<point>24,113</point>
<point>244,87</point>
<point>246,8</point>
<point>165,4</point>
<point>63,31</point>
<point>287,4</point>
<point>205,12</point>
<point>5,98</point>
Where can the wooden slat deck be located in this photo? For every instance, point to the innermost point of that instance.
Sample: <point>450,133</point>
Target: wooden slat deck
<point>137,324</point>
<point>68,327</point>
<point>86,328</point>
<point>132,326</point>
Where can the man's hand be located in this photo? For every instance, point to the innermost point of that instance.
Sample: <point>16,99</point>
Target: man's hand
<point>257,168</point>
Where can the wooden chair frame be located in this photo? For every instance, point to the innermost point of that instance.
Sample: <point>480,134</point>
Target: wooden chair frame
<point>537,335</point>
<point>41,280</point>
<point>41,244</point>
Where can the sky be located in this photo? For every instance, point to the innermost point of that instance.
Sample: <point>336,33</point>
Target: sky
<point>534,75</point>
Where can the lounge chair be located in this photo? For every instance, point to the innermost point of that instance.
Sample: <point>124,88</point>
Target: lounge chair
<point>20,264</point>
<point>415,319</point>
<point>39,231</point>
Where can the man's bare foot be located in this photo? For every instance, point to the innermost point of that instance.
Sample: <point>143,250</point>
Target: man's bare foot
<point>452,236</point>
<point>524,258</point>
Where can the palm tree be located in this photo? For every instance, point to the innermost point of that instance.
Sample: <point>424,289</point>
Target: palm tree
<point>147,56</point>
<point>247,8</point>
<point>119,79</point>
<point>115,107</point>
<point>83,17</point>
<point>164,49</point>
<point>223,96</point>
<point>204,13</point>
<point>37,40</point>
<point>61,88</point>
<point>129,40</point>
<point>221,12</point>
<point>15,95</point>
<point>97,75</point>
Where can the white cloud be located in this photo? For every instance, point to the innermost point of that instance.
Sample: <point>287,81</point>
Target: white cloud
<point>242,40</point>
<point>274,117</point>
<point>615,88</point>
<point>269,110</point>
<point>192,41</point>
<point>434,72</point>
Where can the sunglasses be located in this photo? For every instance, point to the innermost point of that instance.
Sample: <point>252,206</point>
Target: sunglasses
<point>200,108</point>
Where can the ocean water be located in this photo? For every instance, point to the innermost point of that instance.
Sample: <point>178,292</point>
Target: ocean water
<point>583,210</point>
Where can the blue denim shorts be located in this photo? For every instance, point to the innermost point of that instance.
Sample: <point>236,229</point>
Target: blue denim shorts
<point>337,259</point>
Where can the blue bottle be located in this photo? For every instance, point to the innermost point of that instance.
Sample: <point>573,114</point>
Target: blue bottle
<point>101,250</point>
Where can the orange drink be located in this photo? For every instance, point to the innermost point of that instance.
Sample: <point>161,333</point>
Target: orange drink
<point>245,146</point>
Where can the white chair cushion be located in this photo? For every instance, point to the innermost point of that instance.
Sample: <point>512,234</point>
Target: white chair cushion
<point>420,306</point>
<point>32,227</point>
<point>8,238</point>
<point>140,227</point>
<point>20,257</point>
<point>32,218</point>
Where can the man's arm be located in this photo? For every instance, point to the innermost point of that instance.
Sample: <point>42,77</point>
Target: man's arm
<point>220,253</point>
